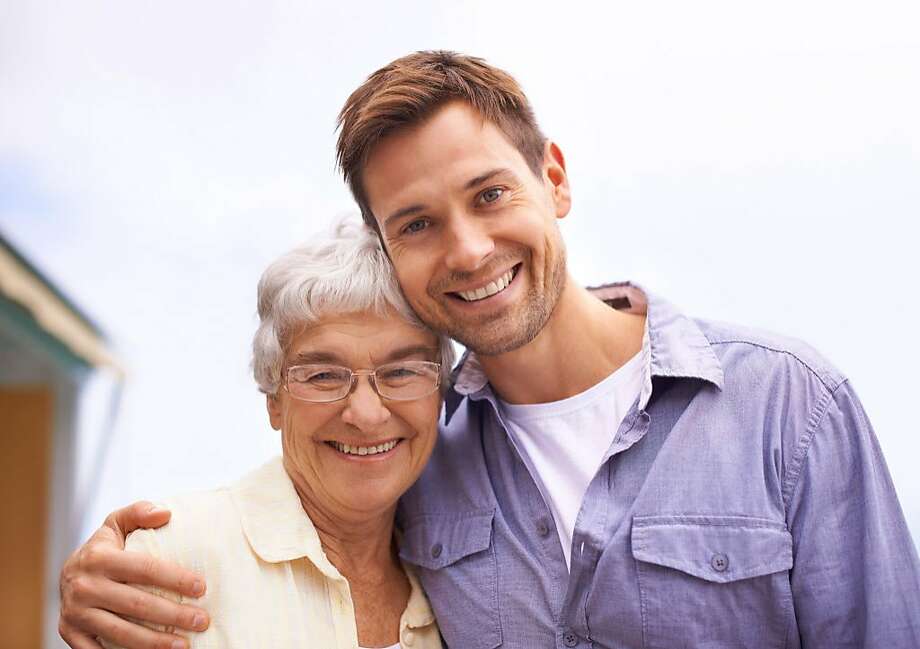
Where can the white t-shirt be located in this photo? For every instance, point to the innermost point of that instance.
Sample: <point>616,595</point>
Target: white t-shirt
<point>563,442</point>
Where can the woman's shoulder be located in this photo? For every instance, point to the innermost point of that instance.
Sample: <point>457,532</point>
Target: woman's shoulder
<point>204,527</point>
<point>199,521</point>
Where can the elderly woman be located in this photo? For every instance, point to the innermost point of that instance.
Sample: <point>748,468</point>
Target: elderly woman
<point>300,552</point>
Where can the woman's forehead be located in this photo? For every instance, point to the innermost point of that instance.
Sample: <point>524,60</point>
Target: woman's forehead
<point>362,337</point>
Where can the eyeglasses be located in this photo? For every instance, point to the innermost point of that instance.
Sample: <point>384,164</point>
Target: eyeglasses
<point>401,381</point>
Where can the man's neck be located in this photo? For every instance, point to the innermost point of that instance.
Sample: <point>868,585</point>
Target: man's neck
<point>582,343</point>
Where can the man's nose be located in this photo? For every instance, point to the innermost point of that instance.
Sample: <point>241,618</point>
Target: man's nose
<point>364,408</point>
<point>468,243</point>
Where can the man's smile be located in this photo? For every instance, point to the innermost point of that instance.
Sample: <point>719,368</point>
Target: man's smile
<point>489,288</point>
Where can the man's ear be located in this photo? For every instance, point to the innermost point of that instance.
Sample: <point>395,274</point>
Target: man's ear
<point>558,180</point>
<point>273,405</point>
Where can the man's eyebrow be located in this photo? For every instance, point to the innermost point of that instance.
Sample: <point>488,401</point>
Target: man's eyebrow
<point>489,175</point>
<point>406,211</point>
<point>411,350</point>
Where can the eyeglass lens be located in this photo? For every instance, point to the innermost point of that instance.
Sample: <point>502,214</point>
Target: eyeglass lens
<point>399,381</point>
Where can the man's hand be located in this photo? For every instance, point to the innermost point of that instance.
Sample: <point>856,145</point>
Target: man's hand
<point>94,590</point>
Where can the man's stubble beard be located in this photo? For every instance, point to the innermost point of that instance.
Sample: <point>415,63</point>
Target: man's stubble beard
<point>498,336</point>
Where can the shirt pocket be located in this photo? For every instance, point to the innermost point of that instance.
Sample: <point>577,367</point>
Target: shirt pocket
<point>719,582</point>
<point>455,560</point>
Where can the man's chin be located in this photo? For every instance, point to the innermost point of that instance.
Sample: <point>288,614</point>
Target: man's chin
<point>495,338</point>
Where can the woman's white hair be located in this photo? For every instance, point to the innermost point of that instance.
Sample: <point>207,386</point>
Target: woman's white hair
<point>346,271</point>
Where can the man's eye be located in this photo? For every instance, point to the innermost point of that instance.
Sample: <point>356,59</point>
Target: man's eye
<point>491,195</point>
<point>415,226</point>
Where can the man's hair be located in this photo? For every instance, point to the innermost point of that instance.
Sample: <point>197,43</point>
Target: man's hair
<point>344,272</point>
<point>410,89</point>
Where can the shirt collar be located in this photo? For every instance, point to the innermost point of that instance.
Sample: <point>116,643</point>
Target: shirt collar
<point>677,346</point>
<point>278,529</point>
<point>274,521</point>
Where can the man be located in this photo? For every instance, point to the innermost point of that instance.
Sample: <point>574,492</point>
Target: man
<point>606,477</point>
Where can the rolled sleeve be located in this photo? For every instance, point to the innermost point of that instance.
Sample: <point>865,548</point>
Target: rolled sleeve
<point>856,575</point>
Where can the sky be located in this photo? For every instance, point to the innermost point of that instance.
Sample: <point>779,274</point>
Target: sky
<point>749,162</point>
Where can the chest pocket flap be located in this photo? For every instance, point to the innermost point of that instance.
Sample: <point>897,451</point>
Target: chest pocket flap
<point>719,549</point>
<point>435,541</point>
<point>455,561</point>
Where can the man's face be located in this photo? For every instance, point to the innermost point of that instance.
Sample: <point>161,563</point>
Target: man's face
<point>470,229</point>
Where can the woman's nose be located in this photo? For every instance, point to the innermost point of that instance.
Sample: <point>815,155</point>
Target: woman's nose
<point>364,409</point>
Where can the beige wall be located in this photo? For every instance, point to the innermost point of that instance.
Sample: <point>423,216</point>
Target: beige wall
<point>26,420</point>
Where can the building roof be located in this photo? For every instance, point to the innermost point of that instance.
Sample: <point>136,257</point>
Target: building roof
<point>57,315</point>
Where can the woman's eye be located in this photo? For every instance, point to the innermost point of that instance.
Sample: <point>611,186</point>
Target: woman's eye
<point>325,377</point>
<point>492,195</point>
<point>399,373</point>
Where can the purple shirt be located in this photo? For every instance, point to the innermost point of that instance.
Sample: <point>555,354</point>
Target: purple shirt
<point>743,503</point>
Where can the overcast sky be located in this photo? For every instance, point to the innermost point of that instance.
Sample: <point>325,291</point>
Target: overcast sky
<point>751,162</point>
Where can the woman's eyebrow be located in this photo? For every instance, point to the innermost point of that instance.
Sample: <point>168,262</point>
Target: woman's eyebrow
<point>411,350</point>
<point>311,357</point>
<point>401,353</point>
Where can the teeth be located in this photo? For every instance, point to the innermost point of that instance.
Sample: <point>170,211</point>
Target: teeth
<point>489,289</point>
<point>363,450</point>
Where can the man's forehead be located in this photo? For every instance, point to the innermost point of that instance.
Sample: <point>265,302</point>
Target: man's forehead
<point>456,115</point>
<point>403,172</point>
<point>451,125</point>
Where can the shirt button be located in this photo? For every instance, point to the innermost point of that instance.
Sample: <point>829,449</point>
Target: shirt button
<point>408,637</point>
<point>570,639</point>
<point>436,550</point>
<point>719,562</point>
<point>542,527</point>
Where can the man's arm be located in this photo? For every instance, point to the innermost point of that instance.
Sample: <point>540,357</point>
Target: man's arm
<point>94,590</point>
<point>856,576</point>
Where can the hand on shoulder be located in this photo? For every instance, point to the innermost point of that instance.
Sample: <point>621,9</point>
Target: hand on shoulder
<point>95,591</point>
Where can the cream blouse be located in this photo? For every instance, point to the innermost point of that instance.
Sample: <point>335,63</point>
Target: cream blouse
<point>269,583</point>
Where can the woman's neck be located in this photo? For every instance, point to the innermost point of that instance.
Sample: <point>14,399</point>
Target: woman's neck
<point>359,544</point>
<point>361,547</point>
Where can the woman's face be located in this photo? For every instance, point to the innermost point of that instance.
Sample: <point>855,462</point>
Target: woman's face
<point>349,485</point>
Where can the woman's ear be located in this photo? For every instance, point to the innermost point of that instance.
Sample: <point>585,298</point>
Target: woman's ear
<point>273,405</point>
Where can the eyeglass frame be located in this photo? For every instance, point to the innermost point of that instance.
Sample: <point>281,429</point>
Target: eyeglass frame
<point>372,374</point>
